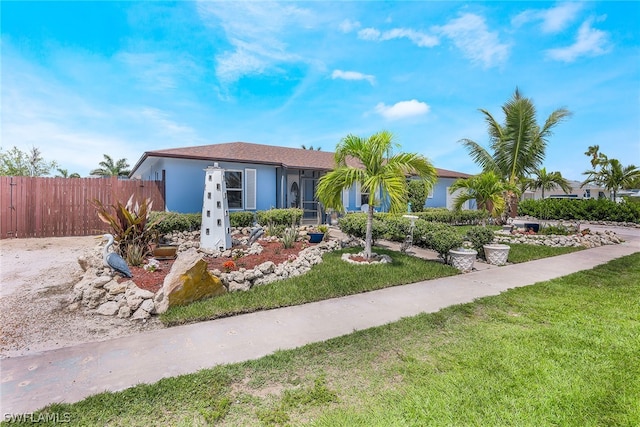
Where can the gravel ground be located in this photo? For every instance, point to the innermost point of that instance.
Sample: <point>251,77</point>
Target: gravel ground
<point>37,278</point>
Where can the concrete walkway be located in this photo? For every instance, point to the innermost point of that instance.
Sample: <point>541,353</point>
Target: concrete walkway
<point>73,373</point>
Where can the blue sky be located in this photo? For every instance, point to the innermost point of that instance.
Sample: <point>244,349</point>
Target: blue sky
<point>80,79</point>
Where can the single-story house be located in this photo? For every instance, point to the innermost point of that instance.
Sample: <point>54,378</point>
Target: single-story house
<point>258,177</point>
<point>589,191</point>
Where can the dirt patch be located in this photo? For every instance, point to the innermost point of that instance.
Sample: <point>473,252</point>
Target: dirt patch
<point>37,277</point>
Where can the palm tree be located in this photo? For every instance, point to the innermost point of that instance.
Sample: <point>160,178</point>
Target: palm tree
<point>487,189</point>
<point>304,147</point>
<point>547,181</point>
<point>612,175</point>
<point>109,168</point>
<point>64,173</point>
<point>517,146</point>
<point>380,170</point>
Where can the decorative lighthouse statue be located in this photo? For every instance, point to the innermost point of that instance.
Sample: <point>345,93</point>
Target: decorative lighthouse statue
<point>215,233</point>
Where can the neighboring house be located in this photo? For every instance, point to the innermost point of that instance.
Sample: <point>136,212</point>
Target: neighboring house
<point>258,177</point>
<point>589,191</point>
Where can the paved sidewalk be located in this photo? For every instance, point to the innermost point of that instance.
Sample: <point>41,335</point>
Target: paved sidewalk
<point>73,373</point>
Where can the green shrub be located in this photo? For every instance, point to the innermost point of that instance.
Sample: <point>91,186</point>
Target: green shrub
<point>275,230</point>
<point>423,231</point>
<point>559,230</point>
<point>168,222</point>
<point>480,236</point>
<point>289,237</point>
<point>463,217</point>
<point>242,219</point>
<point>355,224</point>
<point>443,240</point>
<point>285,217</point>
<point>396,227</point>
<point>580,210</point>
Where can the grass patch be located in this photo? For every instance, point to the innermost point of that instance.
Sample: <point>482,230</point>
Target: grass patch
<point>521,252</point>
<point>330,279</point>
<point>561,352</point>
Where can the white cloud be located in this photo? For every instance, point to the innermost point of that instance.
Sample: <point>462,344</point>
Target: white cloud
<point>553,20</point>
<point>589,42</point>
<point>347,26</point>
<point>369,34</point>
<point>471,35</point>
<point>158,71</point>
<point>353,75</point>
<point>256,31</point>
<point>402,109</point>
<point>418,38</point>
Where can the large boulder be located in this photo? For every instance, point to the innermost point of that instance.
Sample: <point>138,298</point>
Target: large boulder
<point>188,281</point>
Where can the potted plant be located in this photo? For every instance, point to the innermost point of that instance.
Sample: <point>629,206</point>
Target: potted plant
<point>496,253</point>
<point>317,234</point>
<point>463,257</point>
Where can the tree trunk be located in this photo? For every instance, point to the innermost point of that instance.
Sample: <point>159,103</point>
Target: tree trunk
<point>512,205</point>
<point>368,240</point>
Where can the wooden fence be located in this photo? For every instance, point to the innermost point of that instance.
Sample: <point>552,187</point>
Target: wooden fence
<point>55,207</point>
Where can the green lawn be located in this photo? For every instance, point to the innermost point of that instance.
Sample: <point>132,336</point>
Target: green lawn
<point>520,252</point>
<point>558,353</point>
<point>330,279</point>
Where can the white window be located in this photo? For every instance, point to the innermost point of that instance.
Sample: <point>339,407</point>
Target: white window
<point>250,185</point>
<point>233,181</point>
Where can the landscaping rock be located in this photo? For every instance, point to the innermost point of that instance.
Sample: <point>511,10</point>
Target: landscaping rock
<point>187,281</point>
<point>109,308</point>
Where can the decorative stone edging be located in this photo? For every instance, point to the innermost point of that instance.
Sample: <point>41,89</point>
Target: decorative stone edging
<point>375,259</point>
<point>590,240</point>
<point>269,272</point>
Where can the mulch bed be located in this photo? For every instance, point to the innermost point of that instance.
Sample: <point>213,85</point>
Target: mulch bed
<point>272,251</point>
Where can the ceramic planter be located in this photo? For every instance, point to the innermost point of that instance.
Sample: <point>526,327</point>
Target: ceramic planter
<point>165,251</point>
<point>315,237</point>
<point>496,254</point>
<point>462,259</point>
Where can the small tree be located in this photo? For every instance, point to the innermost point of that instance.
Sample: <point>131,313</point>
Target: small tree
<point>111,168</point>
<point>487,189</point>
<point>609,173</point>
<point>19,163</point>
<point>418,194</point>
<point>518,145</point>
<point>380,170</point>
<point>547,181</point>
<point>64,173</point>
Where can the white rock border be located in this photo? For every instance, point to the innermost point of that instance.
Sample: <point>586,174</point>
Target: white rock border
<point>376,259</point>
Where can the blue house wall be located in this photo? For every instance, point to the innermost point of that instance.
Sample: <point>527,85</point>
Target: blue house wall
<point>184,182</point>
<point>184,185</point>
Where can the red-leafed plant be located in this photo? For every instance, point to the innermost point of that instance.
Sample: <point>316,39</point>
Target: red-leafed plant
<point>130,226</point>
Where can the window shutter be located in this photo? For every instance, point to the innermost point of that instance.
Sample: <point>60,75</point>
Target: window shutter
<point>358,196</point>
<point>250,189</point>
<point>345,199</point>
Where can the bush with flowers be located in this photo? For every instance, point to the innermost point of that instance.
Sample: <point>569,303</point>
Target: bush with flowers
<point>228,266</point>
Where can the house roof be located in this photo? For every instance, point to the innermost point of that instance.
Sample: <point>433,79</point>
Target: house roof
<point>244,152</point>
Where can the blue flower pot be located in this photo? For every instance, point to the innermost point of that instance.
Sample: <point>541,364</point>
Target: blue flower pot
<point>315,237</point>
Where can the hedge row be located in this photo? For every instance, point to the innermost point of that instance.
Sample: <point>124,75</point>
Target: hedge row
<point>171,221</point>
<point>462,217</point>
<point>581,210</point>
<point>436,236</point>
